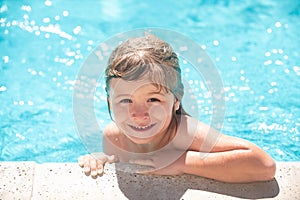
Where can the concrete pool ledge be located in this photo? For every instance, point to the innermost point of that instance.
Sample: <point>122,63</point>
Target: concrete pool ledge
<point>28,180</point>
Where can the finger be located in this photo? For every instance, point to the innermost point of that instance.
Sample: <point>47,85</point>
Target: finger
<point>93,167</point>
<point>112,159</point>
<point>100,167</point>
<point>81,161</point>
<point>86,164</point>
<point>146,162</point>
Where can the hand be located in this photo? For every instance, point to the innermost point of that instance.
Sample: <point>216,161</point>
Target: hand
<point>169,162</point>
<point>94,163</point>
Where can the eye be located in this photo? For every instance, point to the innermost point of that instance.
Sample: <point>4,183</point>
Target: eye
<point>126,101</point>
<point>153,100</point>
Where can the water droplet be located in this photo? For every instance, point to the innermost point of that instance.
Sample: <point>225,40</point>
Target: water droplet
<point>37,33</point>
<point>3,88</point>
<point>216,43</point>
<point>278,62</point>
<point>18,135</point>
<point>26,17</point>
<point>267,54</point>
<point>297,70</point>
<point>268,62</point>
<point>5,59</point>
<point>76,30</point>
<point>48,3</point>
<point>3,8</point>
<point>46,20</point>
<point>277,24</point>
<point>263,108</point>
<point>26,8</point>
<point>273,83</point>
<point>65,13</point>
<point>33,72</point>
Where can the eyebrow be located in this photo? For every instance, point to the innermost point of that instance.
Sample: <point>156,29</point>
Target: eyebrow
<point>150,93</point>
<point>159,93</point>
<point>122,95</point>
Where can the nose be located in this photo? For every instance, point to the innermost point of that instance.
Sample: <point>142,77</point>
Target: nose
<point>139,113</point>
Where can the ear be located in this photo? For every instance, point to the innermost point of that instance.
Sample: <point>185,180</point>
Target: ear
<point>176,104</point>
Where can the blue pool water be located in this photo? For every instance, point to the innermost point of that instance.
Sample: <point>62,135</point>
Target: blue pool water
<point>254,44</point>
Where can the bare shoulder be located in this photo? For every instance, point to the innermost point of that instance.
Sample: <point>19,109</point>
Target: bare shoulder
<point>111,135</point>
<point>192,127</point>
<point>194,135</point>
<point>186,132</point>
<point>111,130</point>
<point>114,141</point>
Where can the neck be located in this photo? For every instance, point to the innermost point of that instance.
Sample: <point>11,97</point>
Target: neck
<point>162,140</point>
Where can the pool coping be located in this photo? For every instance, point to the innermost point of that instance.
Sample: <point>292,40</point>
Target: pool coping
<point>29,180</point>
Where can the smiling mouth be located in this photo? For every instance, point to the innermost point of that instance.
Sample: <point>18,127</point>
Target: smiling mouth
<point>141,128</point>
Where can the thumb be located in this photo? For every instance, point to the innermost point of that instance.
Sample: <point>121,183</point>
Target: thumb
<point>112,159</point>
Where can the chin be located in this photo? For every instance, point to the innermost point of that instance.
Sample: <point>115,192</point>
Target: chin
<point>140,140</point>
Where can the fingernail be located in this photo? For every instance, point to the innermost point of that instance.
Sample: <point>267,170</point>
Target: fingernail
<point>94,173</point>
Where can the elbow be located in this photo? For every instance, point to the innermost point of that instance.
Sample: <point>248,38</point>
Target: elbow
<point>265,167</point>
<point>269,170</point>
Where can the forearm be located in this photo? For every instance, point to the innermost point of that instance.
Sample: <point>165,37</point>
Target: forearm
<point>230,166</point>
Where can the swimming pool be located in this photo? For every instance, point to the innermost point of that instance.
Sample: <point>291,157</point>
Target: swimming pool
<point>254,44</point>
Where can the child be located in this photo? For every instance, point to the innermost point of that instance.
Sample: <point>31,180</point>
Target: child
<point>151,128</point>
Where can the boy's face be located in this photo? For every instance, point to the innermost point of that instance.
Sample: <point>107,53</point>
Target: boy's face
<point>140,109</point>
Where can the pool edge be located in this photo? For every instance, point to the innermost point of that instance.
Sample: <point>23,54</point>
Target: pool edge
<point>29,180</point>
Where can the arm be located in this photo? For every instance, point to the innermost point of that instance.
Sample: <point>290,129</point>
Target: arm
<point>231,160</point>
<point>213,155</point>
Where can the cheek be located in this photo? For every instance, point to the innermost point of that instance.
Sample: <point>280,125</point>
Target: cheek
<point>120,113</point>
<point>160,112</point>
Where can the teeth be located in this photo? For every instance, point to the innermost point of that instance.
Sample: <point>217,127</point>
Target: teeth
<point>142,127</point>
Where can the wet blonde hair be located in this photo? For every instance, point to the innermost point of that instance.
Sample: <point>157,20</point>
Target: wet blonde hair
<point>149,57</point>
